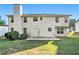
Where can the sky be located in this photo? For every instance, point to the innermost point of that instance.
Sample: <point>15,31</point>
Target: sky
<point>71,9</point>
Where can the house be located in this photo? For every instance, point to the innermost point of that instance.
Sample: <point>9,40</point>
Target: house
<point>77,26</point>
<point>3,30</point>
<point>38,25</point>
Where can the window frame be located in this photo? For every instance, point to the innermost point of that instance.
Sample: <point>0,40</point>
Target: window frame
<point>66,20</point>
<point>57,19</point>
<point>35,19</point>
<point>49,29</point>
<point>12,29</point>
<point>12,19</point>
<point>60,30</point>
<point>24,30</point>
<point>25,19</point>
<point>41,18</point>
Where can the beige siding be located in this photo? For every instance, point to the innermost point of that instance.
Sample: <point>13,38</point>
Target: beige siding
<point>77,27</point>
<point>40,27</point>
<point>62,22</point>
<point>17,24</point>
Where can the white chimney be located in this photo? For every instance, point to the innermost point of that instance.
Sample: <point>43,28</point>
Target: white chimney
<point>17,10</point>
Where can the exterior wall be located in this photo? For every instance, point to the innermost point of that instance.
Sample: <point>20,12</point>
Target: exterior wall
<point>40,27</point>
<point>62,22</point>
<point>77,27</point>
<point>9,24</point>
<point>17,24</point>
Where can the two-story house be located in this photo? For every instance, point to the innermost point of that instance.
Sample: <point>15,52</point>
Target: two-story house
<point>38,25</point>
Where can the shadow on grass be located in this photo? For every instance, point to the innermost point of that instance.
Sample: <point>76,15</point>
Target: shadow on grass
<point>9,47</point>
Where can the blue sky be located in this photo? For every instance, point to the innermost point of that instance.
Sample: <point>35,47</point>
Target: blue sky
<point>72,9</point>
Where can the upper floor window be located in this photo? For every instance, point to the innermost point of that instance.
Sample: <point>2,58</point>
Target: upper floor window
<point>66,20</point>
<point>25,19</point>
<point>41,18</point>
<point>50,29</point>
<point>12,19</point>
<point>57,19</point>
<point>35,18</point>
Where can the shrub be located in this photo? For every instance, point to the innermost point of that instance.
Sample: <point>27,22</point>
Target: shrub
<point>15,35</point>
<point>12,35</point>
<point>8,35</point>
<point>23,36</point>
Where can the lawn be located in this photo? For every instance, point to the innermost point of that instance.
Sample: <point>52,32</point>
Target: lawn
<point>9,47</point>
<point>65,46</point>
<point>68,46</point>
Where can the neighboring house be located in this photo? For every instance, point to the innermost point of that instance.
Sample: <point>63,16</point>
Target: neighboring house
<point>77,26</point>
<point>38,25</point>
<point>3,30</point>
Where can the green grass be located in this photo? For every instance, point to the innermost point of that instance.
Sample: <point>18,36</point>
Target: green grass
<point>47,49</point>
<point>8,47</point>
<point>76,34</point>
<point>66,46</point>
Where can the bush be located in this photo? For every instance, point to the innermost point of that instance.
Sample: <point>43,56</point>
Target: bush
<point>15,35</point>
<point>23,36</point>
<point>12,35</point>
<point>8,35</point>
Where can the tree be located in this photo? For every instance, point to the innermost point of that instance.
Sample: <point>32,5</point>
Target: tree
<point>2,22</point>
<point>72,22</point>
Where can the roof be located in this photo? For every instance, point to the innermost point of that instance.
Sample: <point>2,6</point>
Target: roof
<point>42,15</point>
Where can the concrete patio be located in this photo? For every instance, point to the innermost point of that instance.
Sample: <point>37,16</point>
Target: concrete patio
<point>43,38</point>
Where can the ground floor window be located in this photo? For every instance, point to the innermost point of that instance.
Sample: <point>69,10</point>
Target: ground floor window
<point>49,29</point>
<point>24,30</point>
<point>60,30</point>
<point>12,29</point>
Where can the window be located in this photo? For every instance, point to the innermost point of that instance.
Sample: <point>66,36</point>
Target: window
<point>35,18</point>
<point>49,29</point>
<point>12,29</point>
<point>12,19</point>
<point>25,19</point>
<point>66,20</point>
<point>57,19</point>
<point>41,18</point>
<point>24,30</point>
<point>60,30</point>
